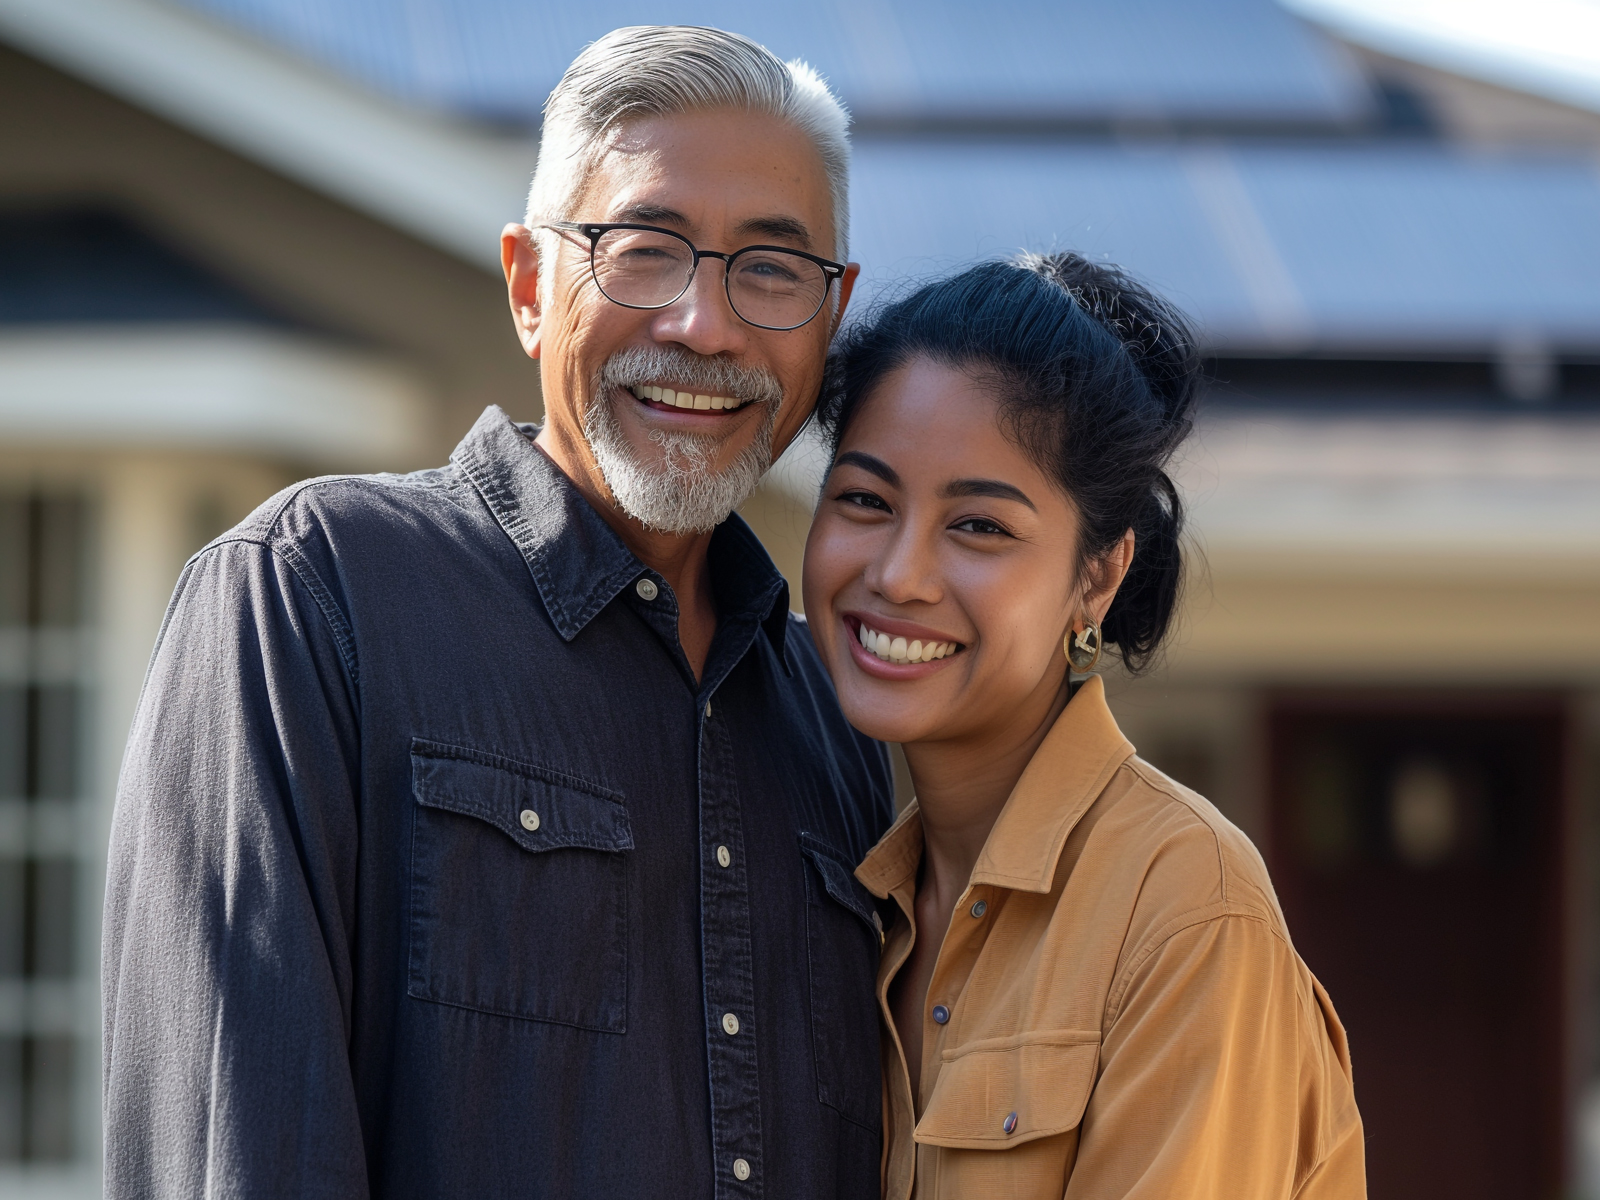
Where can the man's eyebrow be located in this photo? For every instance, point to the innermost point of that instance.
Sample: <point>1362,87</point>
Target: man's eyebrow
<point>777,227</point>
<point>651,214</point>
<point>986,487</point>
<point>873,466</point>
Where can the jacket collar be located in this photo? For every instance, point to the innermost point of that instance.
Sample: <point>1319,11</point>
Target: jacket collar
<point>577,560</point>
<point>1067,773</point>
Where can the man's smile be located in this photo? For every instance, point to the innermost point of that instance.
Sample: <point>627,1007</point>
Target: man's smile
<point>673,399</point>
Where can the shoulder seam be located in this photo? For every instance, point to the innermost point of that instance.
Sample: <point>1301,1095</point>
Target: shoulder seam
<point>343,635</point>
<point>1184,921</point>
<point>1162,784</point>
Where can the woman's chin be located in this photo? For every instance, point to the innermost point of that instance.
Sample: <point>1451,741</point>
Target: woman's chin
<point>891,719</point>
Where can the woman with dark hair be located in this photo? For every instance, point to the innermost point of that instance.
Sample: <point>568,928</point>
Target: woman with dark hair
<point>1087,987</point>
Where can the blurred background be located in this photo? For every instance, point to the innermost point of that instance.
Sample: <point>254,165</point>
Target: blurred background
<point>247,241</point>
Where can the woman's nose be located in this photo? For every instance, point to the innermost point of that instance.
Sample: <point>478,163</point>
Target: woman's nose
<point>906,571</point>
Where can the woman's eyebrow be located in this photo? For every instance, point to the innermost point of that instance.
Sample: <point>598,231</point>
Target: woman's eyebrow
<point>985,487</point>
<point>873,466</point>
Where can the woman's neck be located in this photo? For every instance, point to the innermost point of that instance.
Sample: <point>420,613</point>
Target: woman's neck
<point>962,784</point>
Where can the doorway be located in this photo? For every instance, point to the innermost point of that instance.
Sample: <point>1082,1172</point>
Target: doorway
<point>1416,843</point>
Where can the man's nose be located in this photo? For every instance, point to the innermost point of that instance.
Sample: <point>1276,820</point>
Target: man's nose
<point>701,319</point>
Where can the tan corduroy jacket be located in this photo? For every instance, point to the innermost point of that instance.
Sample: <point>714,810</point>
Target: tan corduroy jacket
<point>1126,1014</point>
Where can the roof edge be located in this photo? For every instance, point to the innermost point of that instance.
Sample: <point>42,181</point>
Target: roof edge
<point>446,182</point>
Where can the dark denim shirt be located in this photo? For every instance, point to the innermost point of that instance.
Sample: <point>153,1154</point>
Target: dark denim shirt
<point>435,872</point>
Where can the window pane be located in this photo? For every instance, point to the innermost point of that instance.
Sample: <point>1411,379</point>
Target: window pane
<point>13,742</point>
<point>49,1101</point>
<point>51,909</point>
<point>11,1111</point>
<point>55,743</point>
<point>59,530</point>
<point>13,560</point>
<point>13,916</point>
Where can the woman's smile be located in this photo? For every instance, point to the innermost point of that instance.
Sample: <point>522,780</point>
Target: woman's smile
<point>889,648</point>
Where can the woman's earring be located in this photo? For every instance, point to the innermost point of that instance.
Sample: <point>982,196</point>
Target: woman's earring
<point>1082,647</point>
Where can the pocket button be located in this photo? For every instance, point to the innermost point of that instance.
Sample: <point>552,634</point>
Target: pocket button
<point>530,820</point>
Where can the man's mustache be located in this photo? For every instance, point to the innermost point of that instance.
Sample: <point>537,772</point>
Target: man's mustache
<point>673,365</point>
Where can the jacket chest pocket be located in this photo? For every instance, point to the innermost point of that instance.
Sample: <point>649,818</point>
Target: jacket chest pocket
<point>519,890</point>
<point>843,938</point>
<point>1004,1114</point>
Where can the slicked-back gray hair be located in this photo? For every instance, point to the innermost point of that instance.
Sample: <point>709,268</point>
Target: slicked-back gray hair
<point>659,70</point>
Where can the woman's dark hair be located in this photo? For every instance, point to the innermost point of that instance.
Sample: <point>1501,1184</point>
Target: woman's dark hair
<point>1096,377</point>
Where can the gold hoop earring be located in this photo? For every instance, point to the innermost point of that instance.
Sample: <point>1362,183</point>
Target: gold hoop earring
<point>1083,647</point>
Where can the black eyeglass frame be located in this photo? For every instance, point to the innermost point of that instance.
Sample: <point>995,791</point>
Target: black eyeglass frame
<point>595,231</point>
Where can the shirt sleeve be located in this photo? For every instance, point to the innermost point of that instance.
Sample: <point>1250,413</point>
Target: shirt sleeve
<point>230,898</point>
<point>1223,1077</point>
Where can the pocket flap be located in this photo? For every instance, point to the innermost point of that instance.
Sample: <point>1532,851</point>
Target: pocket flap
<point>840,880</point>
<point>1044,1078</point>
<point>569,812</point>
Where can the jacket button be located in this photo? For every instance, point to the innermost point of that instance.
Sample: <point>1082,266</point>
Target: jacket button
<point>1010,1123</point>
<point>529,819</point>
<point>646,588</point>
<point>941,1014</point>
<point>981,907</point>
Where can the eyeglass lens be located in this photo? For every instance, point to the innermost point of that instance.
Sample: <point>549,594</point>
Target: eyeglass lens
<point>770,288</point>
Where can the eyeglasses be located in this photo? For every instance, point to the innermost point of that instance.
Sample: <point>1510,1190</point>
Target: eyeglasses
<point>640,266</point>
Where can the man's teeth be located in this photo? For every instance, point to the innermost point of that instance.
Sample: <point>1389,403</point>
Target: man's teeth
<point>683,399</point>
<point>899,650</point>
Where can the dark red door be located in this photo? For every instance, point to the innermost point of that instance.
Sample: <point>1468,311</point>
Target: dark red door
<point>1416,844</point>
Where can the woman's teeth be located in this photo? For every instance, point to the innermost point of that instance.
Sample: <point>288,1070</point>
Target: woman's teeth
<point>899,650</point>
<point>683,399</point>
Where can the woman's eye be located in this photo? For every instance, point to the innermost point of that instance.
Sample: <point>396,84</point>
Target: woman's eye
<point>864,500</point>
<point>981,525</point>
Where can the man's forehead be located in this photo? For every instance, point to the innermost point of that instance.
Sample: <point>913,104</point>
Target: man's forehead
<point>722,171</point>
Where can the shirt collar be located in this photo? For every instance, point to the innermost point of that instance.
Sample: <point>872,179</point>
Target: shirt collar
<point>577,560</point>
<point>1068,771</point>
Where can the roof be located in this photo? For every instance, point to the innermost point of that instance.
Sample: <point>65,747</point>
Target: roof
<point>448,182</point>
<point>1549,48</point>
<point>891,60</point>
<point>90,265</point>
<point>1372,247</point>
<point>1349,245</point>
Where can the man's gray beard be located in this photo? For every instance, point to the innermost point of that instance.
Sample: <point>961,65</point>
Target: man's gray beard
<point>681,493</point>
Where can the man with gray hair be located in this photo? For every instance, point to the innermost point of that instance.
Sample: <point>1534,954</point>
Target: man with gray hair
<point>488,831</point>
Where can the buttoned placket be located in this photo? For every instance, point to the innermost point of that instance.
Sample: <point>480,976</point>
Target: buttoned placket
<point>955,967</point>
<point>727,958</point>
<point>756,603</point>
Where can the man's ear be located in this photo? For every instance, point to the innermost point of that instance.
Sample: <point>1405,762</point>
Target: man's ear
<point>519,257</point>
<point>847,284</point>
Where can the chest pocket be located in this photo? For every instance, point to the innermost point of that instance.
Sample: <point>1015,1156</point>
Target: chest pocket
<point>843,938</point>
<point>1044,1079</point>
<point>519,890</point>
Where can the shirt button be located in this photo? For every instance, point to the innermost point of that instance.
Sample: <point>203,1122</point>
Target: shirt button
<point>1009,1125</point>
<point>529,819</point>
<point>741,1169</point>
<point>730,1024</point>
<point>708,709</point>
<point>724,859</point>
<point>941,1014</point>
<point>647,589</point>
<point>981,907</point>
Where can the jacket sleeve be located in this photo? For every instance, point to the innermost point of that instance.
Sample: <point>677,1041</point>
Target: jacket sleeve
<point>1223,1077</point>
<point>230,898</point>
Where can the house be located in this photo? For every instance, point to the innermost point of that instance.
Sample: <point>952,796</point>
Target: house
<point>245,241</point>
